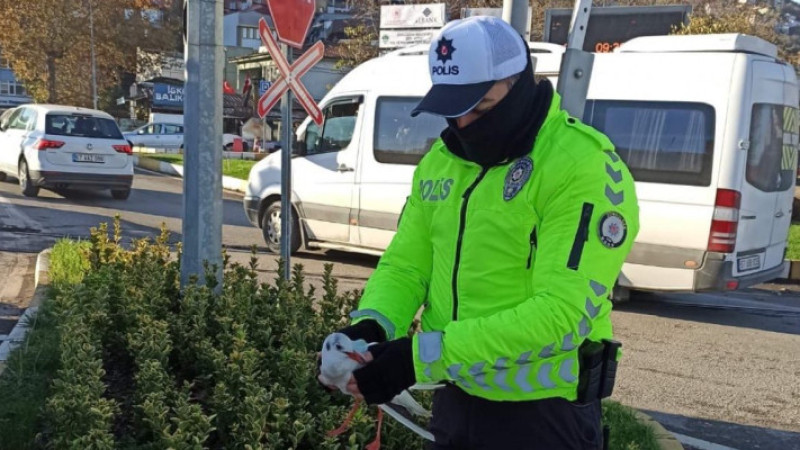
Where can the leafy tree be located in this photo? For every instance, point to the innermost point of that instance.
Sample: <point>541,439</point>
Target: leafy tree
<point>762,22</point>
<point>48,43</point>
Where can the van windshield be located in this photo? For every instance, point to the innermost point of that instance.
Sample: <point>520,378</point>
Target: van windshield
<point>661,142</point>
<point>400,138</point>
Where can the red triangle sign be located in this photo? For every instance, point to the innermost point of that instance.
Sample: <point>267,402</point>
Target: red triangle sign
<point>292,19</point>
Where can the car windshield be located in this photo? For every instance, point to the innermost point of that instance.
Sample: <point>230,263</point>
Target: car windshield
<point>81,126</point>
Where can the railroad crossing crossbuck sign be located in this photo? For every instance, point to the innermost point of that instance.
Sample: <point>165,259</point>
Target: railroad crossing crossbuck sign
<point>289,75</point>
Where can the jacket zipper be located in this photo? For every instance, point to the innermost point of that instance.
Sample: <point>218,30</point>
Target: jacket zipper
<point>581,236</point>
<point>461,226</point>
<point>533,245</point>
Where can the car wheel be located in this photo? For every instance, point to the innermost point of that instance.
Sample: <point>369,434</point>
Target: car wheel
<point>25,184</point>
<point>3,176</point>
<point>271,229</point>
<point>121,194</point>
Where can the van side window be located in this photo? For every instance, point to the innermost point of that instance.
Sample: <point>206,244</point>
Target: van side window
<point>661,142</point>
<point>337,129</point>
<point>772,155</point>
<point>400,138</point>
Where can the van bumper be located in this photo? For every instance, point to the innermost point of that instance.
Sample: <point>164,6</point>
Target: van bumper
<point>717,273</point>
<point>251,206</point>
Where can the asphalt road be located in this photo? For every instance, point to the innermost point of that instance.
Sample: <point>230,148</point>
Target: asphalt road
<point>720,368</point>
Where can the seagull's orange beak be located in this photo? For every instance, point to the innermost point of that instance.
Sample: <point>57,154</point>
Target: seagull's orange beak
<point>355,356</point>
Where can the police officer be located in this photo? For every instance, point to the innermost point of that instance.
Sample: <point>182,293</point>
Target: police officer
<point>517,225</point>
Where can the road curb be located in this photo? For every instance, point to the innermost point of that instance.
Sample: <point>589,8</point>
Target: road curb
<point>41,284</point>
<point>229,183</point>
<point>665,439</point>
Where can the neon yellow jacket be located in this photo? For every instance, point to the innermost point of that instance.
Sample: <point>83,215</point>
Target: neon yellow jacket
<point>513,265</point>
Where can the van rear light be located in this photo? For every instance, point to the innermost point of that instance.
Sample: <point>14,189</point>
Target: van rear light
<point>725,221</point>
<point>44,144</point>
<point>123,149</point>
<point>732,285</point>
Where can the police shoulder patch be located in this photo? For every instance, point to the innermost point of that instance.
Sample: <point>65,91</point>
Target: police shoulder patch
<point>518,174</point>
<point>612,230</point>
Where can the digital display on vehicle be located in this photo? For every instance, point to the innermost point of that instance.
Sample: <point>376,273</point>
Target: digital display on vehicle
<point>610,27</point>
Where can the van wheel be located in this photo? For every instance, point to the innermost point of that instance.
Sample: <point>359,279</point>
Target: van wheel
<point>121,194</point>
<point>3,176</point>
<point>25,184</point>
<point>620,294</point>
<point>271,229</point>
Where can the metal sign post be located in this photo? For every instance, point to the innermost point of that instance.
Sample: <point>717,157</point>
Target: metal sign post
<point>286,174</point>
<point>292,20</point>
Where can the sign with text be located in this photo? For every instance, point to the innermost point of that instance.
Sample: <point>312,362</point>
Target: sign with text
<point>263,85</point>
<point>405,38</point>
<point>432,15</point>
<point>167,95</point>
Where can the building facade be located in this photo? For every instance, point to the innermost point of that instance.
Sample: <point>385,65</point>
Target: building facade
<point>12,91</point>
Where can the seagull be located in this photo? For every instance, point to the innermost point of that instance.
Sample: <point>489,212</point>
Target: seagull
<point>340,357</point>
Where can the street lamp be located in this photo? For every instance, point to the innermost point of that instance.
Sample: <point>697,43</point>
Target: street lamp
<point>94,64</point>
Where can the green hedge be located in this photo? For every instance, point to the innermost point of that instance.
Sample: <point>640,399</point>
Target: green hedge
<point>137,364</point>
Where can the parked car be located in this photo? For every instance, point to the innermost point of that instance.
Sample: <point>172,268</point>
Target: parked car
<point>157,136</point>
<point>708,126</point>
<point>168,137</point>
<point>55,146</point>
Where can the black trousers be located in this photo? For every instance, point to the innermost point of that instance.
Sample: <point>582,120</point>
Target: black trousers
<point>464,422</point>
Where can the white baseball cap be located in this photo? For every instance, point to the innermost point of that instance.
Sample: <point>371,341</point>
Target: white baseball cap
<point>466,58</point>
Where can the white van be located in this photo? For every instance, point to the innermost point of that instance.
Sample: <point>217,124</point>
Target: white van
<point>708,126</point>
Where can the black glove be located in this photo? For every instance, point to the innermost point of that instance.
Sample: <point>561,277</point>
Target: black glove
<point>390,372</point>
<point>368,330</point>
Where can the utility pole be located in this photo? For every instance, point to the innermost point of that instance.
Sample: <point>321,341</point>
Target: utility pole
<point>94,62</point>
<point>515,12</point>
<point>202,106</point>
<point>576,64</point>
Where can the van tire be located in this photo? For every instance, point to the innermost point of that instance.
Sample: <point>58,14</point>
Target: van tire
<point>620,295</point>
<point>270,229</point>
<point>3,176</point>
<point>25,185</point>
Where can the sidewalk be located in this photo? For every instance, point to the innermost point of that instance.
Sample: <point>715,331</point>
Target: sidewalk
<point>230,183</point>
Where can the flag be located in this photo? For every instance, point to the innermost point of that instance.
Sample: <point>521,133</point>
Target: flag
<point>227,89</point>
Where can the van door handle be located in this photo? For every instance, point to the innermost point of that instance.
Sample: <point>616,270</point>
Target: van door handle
<point>779,214</point>
<point>748,217</point>
<point>343,168</point>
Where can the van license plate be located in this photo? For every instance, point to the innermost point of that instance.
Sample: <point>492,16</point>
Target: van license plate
<point>749,263</point>
<point>87,157</point>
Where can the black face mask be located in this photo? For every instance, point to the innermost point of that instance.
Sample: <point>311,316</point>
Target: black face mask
<point>508,130</point>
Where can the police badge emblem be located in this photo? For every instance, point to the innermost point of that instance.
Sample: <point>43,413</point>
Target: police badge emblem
<point>612,230</point>
<point>517,176</point>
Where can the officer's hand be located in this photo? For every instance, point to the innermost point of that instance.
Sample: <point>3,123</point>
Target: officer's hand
<point>390,372</point>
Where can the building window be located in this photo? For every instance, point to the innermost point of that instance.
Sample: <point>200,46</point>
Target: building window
<point>248,33</point>
<point>5,88</point>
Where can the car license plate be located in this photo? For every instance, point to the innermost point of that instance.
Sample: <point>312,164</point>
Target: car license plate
<point>88,157</point>
<point>749,263</point>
